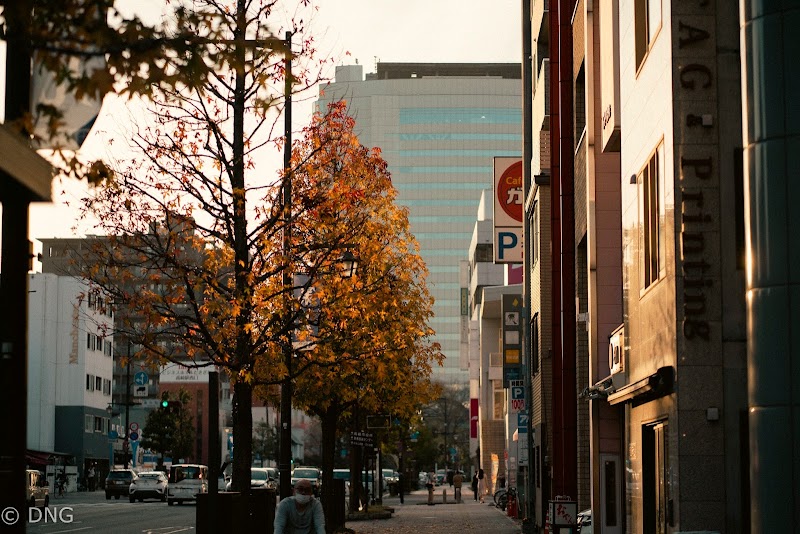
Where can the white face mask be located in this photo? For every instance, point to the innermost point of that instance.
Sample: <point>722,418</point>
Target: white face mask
<point>302,499</point>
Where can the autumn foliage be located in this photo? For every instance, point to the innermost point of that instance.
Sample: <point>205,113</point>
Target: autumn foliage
<point>193,253</point>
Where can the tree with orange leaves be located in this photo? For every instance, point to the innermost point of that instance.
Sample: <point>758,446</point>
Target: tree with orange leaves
<point>365,344</point>
<point>189,225</point>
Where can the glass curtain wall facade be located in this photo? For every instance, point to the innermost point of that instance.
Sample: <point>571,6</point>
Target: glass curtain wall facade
<point>438,127</point>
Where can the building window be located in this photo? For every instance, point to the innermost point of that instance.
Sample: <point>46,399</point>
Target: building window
<point>106,386</point>
<point>90,382</point>
<point>499,400</point>
<point>484,253</point>
<point>535,233</point>
<point>535,343</point>
<point>89,341</point>
<point>88,425</point>
<point>98,383</point>
<point>647,22</point>
<point>580,104</point>
<point>98,424</point>
<point>652,214</point>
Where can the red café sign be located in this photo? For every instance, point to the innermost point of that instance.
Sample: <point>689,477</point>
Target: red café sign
<point>509,191</point>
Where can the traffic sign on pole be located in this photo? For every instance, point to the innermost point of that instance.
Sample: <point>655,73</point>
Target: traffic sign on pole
<point>140,378</point>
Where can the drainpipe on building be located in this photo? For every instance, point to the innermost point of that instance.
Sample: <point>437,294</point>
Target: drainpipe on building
<point>529,521</point>
<point>564,453</point>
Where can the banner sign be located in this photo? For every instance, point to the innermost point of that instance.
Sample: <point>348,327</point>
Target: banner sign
<point>507,216</point>
<point>512,338</point>
<point>473,418</point>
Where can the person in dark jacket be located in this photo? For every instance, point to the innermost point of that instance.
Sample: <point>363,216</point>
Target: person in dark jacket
<point>475,485</point>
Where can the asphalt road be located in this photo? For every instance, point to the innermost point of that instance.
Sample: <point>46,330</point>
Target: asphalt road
<point>92,513</point>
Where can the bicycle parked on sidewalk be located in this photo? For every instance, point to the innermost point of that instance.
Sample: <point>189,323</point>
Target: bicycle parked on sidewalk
<point>502,495</point>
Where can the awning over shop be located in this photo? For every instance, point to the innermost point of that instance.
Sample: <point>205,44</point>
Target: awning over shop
<point>656,385</point>
<point>43,458</point>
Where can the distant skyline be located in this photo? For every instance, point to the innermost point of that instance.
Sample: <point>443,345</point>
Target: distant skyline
<point>350,32</point>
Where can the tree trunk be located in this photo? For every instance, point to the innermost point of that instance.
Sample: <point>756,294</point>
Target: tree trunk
<point>242,436</point>
<point>329,421</point>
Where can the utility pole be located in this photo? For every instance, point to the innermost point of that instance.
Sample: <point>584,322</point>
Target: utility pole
<point>126,444</point>
<point>285,450</point>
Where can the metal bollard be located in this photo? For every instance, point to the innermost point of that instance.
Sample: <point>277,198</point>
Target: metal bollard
<point>444,496</point>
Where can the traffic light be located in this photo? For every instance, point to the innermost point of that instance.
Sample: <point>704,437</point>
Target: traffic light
<point>169,405</point>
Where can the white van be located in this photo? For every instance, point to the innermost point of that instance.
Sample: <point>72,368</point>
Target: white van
<point>37,493</point>
<point>186,481</point>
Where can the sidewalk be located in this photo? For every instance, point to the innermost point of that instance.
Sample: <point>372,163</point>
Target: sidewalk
<point>416,517</point>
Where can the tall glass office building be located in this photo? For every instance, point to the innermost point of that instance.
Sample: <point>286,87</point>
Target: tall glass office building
<point>438,125</point>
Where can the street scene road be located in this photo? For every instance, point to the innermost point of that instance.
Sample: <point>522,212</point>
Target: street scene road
<point>91,512</point>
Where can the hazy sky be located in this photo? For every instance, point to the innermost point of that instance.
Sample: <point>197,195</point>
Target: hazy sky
<point>370,31</point>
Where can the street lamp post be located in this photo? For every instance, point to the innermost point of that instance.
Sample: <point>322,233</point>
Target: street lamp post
<point>127,404</point>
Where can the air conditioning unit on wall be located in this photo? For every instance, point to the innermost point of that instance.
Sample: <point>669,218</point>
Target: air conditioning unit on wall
<point>616,348</point>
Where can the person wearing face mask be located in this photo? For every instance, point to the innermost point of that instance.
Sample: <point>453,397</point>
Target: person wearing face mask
<point>301,513</point>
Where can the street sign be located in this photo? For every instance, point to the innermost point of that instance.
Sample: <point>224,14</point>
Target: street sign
<point>134,436</point>
<point>112,434</point>
<point>522,423</point>
<point>378,421</point>
<point>150,403</point>
<point>517,398</point>
<point>522,449</point>
<point>140,378</point>
<point>141,391</point>
<point>134,426</point>
<point>365,439</point>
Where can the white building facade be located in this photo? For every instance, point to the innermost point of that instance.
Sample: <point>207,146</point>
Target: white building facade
<point>69,370</point>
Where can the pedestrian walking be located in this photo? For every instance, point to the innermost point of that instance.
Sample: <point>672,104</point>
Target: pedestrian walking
<point>475,485</point>
<point>481,485</point>
<point>458,479</point>
<point>430,481</point>
<point>90,477</point>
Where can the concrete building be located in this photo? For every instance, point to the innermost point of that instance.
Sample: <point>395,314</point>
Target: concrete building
<point>438,127</point>
<point>649,256</point>
<point>485,282</point>
<point>69,374</point>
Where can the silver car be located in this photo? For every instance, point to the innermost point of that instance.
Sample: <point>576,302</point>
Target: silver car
<point>149,485</point>
<point>312,474</point>
<point>261,478</point>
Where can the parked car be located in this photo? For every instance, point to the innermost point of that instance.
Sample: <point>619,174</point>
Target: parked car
<point>37,492</point>
<point>118,482</point>
<point>312,474</point>
<point>391,480</point>
<point>261,478</point>
<point>149,485</point>
<point>186,481</point>
<point>585,521</point>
